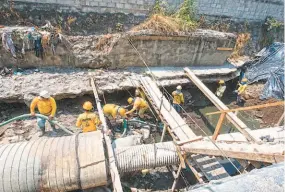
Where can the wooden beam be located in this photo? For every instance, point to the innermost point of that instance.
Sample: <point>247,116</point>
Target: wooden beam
<point>219,126</point>
<point>219,104</point>
<point>250,151</point>
<point>112,164</point>
<point>225,48</point>
<point>189,141</point>
<point>281,119</point>
<point>248,108</point>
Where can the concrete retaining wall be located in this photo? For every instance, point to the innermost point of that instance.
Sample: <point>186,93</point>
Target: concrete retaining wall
<point>198,48</point>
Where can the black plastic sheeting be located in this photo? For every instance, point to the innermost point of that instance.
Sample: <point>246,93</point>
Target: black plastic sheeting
<point>269,67</point>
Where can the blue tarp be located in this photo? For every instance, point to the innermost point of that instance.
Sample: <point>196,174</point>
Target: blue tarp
<point>270,68</point>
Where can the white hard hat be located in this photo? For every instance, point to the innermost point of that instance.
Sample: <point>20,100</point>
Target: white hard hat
<point>179,87</point>
<point>45,94</point>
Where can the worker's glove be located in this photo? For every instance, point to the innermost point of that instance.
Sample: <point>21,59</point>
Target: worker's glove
<point>33,114</point>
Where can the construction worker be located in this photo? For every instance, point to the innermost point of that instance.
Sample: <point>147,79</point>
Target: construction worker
<point>138,104</point>
<point>114,111</point>
<point>221,89</point>
<point>46,105</point>
<point>88,121</point>
<point>139,93</point>
<point>241,90</point>
<point>114,114</point>
<point>178,98</point>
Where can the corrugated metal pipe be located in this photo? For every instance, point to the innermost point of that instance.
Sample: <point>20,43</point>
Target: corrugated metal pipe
<point>72,162</point>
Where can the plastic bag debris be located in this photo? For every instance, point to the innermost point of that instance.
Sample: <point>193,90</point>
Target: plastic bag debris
<point>270,68</point>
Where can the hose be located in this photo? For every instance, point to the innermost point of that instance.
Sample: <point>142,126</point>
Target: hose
<point>125,126</point>
<point>142,122</point>
<point>37,115</point>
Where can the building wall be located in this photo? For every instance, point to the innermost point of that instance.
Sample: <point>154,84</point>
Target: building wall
<point>237,9</point>
<point>251,10</point>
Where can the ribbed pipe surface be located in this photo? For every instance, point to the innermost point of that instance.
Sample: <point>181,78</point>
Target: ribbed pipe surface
<point>146,156</point>
<point>53,164</point>
<point>73,162</point>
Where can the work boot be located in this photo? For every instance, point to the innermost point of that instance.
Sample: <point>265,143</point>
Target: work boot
<point>42,131</point>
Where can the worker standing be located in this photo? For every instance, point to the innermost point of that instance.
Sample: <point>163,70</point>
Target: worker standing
<point>241,90</point>
<point>221,89</point>
<point>46,106</point>
<point>178,98</point>
<point>138,104</point>
<point>139,93</point>
<point>88,121</point>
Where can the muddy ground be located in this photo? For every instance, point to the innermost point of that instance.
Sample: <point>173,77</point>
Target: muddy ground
<point>158,179</point>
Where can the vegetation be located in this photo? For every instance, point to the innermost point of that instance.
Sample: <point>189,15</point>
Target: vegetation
<point>183,20</point>
<point>241,42</point>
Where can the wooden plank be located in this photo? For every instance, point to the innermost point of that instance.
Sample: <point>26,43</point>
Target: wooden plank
<point>219,126</point>
<point>270,153</point>
<point>160,38</point>
<point>281,119</point>
<point>176,124</point>
<point>225,48</point>
<point>219,104</point>
<point>248,108</point>
<point>112,164</point>
<point>189,141</point>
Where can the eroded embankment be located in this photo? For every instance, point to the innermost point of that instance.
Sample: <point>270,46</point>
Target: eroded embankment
<point>197,48</point>
<point>70,83</point>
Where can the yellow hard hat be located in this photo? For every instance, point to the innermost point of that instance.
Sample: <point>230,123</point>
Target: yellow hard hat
<point>244,80</point>
<point>221,82</point>
<point>130,100</point>
<point>87,106</point>
<point>122,112</point>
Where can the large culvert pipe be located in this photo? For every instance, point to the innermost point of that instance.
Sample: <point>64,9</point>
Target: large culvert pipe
<point>72,162</point>
<point>146,156</point>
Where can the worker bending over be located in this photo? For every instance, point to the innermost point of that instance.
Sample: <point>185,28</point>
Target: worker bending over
<point>115,116</point>
<point>221,89</point>
<point>138,104</point>
<point>241,90</point>
<point>88,121</point>
<point>178,98</point>
<point>46,105</point>
<point>114,111</point>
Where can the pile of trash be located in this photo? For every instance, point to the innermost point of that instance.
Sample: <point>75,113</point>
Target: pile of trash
<point>269,67</point>
<point>32,39</point>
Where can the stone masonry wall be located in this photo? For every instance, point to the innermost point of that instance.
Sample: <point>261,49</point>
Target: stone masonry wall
<point>255,10</point>
<point>240,10</point>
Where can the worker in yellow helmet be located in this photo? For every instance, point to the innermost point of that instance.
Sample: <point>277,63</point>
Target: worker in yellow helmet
<point>178,98</point>
<point>241,90</point>
<point>138,104</point>
<point>139,93</point>
<point>114,111</point>
<point>88,121</point>
<point>221,89</point>
<point>115,115</point>
<point>46,105</point>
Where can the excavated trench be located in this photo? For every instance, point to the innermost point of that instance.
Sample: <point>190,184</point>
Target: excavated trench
<point>158,179</point>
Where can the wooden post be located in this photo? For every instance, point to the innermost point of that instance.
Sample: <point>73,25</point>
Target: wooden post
<point>281,119</point>
<point>163,132</point>
<point>219,104</point>
<point>219,126</point>
<point>112,164</point>
<point>176,177</point>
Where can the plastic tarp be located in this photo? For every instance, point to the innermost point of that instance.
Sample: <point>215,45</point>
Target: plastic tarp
<point>270,68</point>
